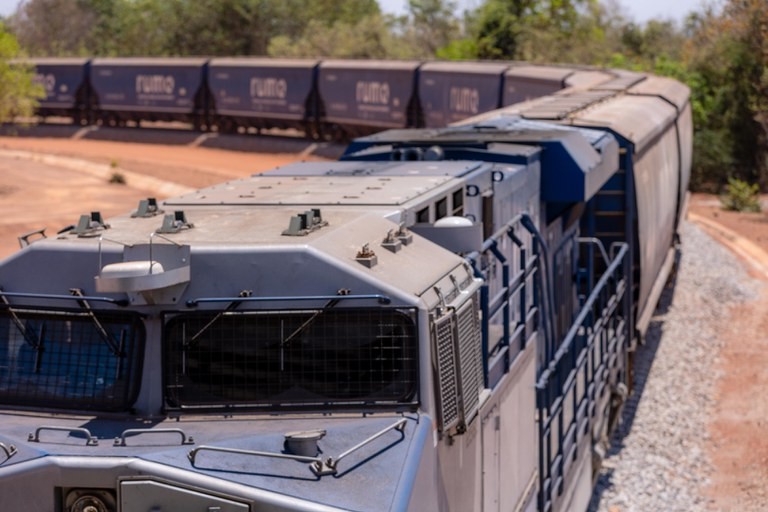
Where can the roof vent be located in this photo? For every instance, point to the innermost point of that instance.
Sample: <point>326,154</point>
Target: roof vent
<point>173,223</point>
<point>90,225</point>
<point>305,223</point>
<point>147,208</point>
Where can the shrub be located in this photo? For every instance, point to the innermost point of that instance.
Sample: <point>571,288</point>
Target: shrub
<point>740,196</point>
<point>117,178</point>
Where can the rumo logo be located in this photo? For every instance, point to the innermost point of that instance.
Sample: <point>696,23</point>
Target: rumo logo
<point>155,84</point>
<point>465,100</point>
<point>47,81</point>
<point>372,93</point>
<point>269,88</point>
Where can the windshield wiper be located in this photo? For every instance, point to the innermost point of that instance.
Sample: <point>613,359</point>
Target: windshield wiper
<point>328,305</point>
<point>115,347</point>
<point>26,332</point>
<point>230,307</point>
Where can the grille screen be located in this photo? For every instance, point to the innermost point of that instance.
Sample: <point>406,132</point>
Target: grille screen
<point>446,364</point>
<point>458,345</point>
<point>470,357</point>
<point>291,358</point>
<point>70,359</point>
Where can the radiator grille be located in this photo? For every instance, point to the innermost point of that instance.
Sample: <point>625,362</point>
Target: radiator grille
<point>470,357</point>
<point>458,345</point>
<point>446,364</point>
<point>291,358</point>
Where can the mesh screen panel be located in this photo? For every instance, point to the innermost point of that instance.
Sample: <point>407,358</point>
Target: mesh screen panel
<point>470,357</point>
<point>285,358</point>
<point>69,360</point>
<point>446,364</point>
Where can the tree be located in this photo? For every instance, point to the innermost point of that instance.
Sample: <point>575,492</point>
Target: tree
<point>18,93</point>
<point>369,38</point>
<point>430,26</point>
<point>534,29</point>
<point>727,55</point>
<point>54,27</point>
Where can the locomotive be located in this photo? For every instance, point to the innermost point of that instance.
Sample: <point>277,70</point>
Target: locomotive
<point>443,319</point>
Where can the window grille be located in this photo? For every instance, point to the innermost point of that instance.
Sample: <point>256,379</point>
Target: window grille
<point>291,358</point>
<point>70,359</point>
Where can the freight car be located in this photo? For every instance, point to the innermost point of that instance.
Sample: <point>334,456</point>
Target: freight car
<point>66,86</point>
<point>326,99</point>
<point>135,90</point>
<point>443,320</point>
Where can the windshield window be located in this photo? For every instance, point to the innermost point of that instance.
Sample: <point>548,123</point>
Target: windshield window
<point>291,358</point>
<point>70,359</point>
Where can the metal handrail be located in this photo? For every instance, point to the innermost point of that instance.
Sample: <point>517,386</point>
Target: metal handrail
<point>585,311</point>
<point>89,439</point>
<point>10,451</point>
<point>47,296</point>
<point>120,441</point>
<point>319,466</point>
<point>382,299</point>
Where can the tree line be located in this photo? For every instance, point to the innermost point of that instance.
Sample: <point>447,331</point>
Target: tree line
<point>721,53</point>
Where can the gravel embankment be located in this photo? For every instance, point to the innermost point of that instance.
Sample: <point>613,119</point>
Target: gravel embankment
<point>657,459</point>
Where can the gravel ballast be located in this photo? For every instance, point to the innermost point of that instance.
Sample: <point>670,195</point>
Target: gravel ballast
<point>658,458</point>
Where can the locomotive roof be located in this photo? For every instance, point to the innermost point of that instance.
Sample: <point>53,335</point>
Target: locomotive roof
<point>331,190</point>
<point>249,221</point>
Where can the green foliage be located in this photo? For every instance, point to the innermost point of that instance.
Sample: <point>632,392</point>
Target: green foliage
<point>459,49</point>
<point>740,196</point>
<point>18,92</point>
<point>369,38</point>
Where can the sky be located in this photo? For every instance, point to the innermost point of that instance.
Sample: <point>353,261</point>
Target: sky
<point>639,10</point>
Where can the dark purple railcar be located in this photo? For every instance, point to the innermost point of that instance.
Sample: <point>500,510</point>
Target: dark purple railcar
<point>366,96</point>
<point>149,89</point>
<point>452,91</point>
<point>523,83</point>
<point>263,93</point>
<point>65,81</point>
